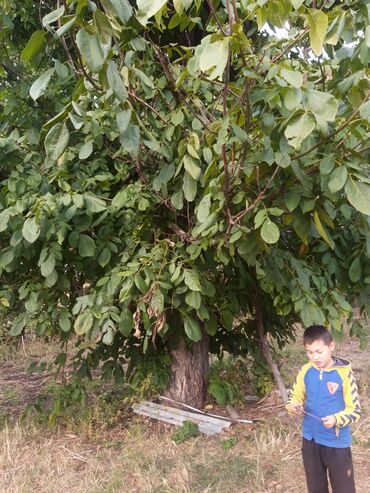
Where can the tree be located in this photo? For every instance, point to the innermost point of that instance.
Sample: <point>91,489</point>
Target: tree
<point>184,177</point>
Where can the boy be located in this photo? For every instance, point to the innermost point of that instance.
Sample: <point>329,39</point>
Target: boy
<point>325,393</point>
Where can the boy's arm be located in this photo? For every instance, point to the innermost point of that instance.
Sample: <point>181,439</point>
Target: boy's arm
<point>352,411</point>
<point>298,394</point>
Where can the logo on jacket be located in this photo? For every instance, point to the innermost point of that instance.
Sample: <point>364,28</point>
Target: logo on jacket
<point>332,387</point>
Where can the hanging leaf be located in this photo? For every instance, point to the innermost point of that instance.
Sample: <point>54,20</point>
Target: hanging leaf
<point>318,22</point>
<point>34,46</point>
<point>193,299</point>
<point>56,141</point>
<point>85,150</point>
<point>270,232</point>
<point>91,49</point>
<point>355,270</point>
<point>123,119</point>
<point>214,56</point>
<point>83,323</point>
<point>322,231</point>
<point>126,323</point>
<point>31,230</point>
<point>147,8</point>
<point>298,130</point>
<point>192,167</point>
<point>192,281</point>
<point>130,139</point>
<point>4,219</point>
<point>123,9</point>
<point>115,82</point>
<point>53,16</point>
<point>204,208</point>
<point>192,329</point>
<point>338,179</point>
<point>40,85</point>
<point>323,105</point>
<point>293,77</point>
<point>358,195</point>
<point>189,187</point>
<point>86,246</point>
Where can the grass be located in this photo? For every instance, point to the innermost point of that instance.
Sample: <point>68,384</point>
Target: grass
<point>97,446</point>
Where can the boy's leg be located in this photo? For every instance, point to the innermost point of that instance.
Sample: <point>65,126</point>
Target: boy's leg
<point>315,468</point>
<point>340,466</point>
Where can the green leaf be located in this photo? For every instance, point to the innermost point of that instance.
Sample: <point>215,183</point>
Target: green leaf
<point>126,323</point>
<point>318,23</point>
<point>123,119</point>
<point>177,200</point>
<point>104,257</point>
<point>365,111</point>
<point>4,219</point>
<point>355,270</point>
<point>211,325</point>
<point>91,49</point>
<point>30,230</point>
<point>193,299</point>
<point>189,187</point>
<point>123,9</point>
<point>192,167</point>
<point>204,207</point>
<point>358,195</point>
<point>291,200</point>
<point>338,179</point>
<point>157,302</point>
<point>214,56</point>
<point>130,140</point>
<point>6,256</point>
<point>116,83</point>
<point>293,77</point>
<point>64,323</point>
<point>140,284</point>
<point>192,281</point>
<point>147,8</point>
<point>327,164</point>
<point>298,130</point>
<point>94,204</point>
<point>270,232</point>
<point>323,105</point>
<point>259,218</point>
<point>53,16</point>
<point>47,266</point>
<point>56,141</point>
<point>322,231</point>
<point>192,329</point>
<point>83,323</point>
<point>86,246</point>
<point>34,46</point>
<point>66,27</point>
<point>86,150</point>
<point>292,99</point>
<point>297,3</point>
<point>40,85</point>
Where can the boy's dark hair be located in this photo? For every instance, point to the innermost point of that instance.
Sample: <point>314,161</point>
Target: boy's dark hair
<point>316,332</point>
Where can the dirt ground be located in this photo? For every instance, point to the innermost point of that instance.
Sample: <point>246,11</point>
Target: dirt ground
<point>138,455</point>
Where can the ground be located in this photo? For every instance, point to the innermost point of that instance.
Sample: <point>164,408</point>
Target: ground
<point>138,455</point>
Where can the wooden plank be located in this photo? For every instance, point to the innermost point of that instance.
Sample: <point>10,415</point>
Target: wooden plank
<point>174,416</point>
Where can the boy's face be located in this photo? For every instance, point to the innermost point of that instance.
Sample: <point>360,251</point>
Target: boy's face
<point>320,353</point>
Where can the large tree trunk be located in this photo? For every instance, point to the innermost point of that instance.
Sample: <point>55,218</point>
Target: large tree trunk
<point>189,370</point>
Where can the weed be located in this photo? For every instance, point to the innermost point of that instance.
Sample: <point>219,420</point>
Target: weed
<point>188,430</point>
<point>229,443</point>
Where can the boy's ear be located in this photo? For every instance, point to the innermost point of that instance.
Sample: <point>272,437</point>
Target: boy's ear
<point>332,345</point>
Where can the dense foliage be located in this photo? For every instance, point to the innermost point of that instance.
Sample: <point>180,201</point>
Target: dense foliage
<point>179,168</point>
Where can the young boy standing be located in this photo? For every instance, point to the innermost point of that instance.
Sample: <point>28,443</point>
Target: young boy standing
<point>325,393</point>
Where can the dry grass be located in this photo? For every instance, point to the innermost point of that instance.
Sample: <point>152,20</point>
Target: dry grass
<point>138,456</point>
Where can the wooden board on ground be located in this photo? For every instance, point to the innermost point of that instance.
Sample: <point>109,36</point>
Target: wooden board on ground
<point>207,424</point>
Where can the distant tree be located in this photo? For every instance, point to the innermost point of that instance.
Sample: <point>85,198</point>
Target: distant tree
<point>183,177</point>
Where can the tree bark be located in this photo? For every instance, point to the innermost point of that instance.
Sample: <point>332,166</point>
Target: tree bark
<point>189,370</point>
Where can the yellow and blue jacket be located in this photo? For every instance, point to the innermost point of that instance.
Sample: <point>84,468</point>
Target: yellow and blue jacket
<point>327,392</point>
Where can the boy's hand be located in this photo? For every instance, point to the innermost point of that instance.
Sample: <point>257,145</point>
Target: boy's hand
<point>294,408</point>
<point>329,421</point>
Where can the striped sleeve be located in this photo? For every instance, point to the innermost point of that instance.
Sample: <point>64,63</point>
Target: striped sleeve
<point>352,411</point>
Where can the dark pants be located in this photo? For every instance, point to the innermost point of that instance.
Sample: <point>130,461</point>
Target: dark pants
<point>318,460</point>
